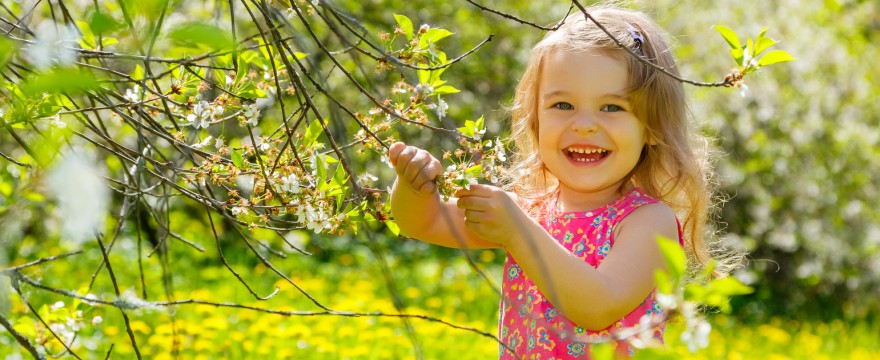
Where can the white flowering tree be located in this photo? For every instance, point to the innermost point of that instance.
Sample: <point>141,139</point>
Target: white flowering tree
<point>252,116</point>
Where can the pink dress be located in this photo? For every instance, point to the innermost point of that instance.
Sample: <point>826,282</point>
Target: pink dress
<point>529,324</point>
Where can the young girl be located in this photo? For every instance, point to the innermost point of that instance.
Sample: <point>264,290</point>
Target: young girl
<point>605,164</point>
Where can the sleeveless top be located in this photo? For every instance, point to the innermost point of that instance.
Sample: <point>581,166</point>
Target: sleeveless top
<point>529,324</point>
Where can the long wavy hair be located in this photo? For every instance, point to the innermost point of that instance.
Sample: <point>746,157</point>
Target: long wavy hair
<point>674,168</point>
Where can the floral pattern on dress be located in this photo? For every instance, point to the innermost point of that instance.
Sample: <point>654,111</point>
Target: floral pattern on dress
<point>527,315</point>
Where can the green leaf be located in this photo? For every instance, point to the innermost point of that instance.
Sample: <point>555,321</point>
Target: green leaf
<point>25,327</point>
<point>762,44</point>
<point>102,23</point>
<point>196,34</point>
<point>676,260</point>
<point>717,292</point>
<point>250,91</point>
<point>424,75</point>
<point>7,50</point>
<point>405,24</point>
<point>137,73</point>
<point>730,286</point>
<point>775,57</point>
<point>312,133</point>
<point>88,39</point>
<point>339,176</point>
<point>393,227</point>
<point>468,129</point>
<point>474,170</point>
<point>750,48</point>
<point>433,35</point>
<point>322,171</point>
<point>107,41</point>
<point>60,80</point>
<point>738,55</point>
<point>445,89</point>
<point>237,159</point>
<point>729,36</point>
<point>665,285</point>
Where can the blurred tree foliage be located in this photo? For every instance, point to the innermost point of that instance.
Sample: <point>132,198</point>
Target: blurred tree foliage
<point>798,155</point>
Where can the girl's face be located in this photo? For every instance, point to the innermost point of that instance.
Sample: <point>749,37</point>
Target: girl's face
<point>588,136</point>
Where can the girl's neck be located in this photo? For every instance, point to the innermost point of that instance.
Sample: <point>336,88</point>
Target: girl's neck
<point>574,200</point>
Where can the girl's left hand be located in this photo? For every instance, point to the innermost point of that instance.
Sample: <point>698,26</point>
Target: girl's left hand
<point>491,213</point>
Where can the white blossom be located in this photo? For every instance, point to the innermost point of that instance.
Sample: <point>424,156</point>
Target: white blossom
<point>218,143</point>
<point>97,320</point>
<point>265,102</point>
<point>666,301</point>
<point>91,297</point>
<point>57,122</point>
<point>696,334</point>
<point>743,90</point>
<point>216,111</point>
<point>290,184</point>
<point>54,45</point>
<point>424,89</point>
<point>57,305</point>
<point>366,179</point>
<point>201,115</point>
<point>499,150</point>
<point>202,144</point>
<point>440,107</point>
<point>81,193</point>
<point>251,113</point>
<point>133,95</point>
<point>238,210</point>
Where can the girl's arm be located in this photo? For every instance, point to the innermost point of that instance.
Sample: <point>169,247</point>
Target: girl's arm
<point>597,297</point>
<point>591,297</point>
<point>416,204</point>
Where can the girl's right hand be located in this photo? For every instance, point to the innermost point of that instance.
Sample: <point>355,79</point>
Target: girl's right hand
<point>415,167</point>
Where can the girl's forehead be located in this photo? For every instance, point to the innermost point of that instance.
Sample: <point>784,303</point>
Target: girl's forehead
<point>589,71</point>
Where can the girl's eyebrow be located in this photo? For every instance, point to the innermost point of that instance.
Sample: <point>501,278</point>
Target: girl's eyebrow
<point>622,96</point>
<point>617,96</point>
<point>555,93</point>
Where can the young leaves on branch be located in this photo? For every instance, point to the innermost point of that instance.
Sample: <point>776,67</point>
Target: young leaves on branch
<point>750,56</point>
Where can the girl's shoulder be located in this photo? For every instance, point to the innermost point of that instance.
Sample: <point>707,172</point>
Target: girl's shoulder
<point>647,213</point>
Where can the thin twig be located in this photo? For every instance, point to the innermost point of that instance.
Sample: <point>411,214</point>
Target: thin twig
<point>40,261</point>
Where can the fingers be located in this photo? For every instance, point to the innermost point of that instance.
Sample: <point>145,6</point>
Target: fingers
<point>394,152</point>
<point>473,203</point>
<point>476,217</point>
<point>414,166</point>
<point>477,190</point>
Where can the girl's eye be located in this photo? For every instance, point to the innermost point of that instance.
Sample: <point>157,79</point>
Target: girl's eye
<point>563,106</point>
<point>611,108</point>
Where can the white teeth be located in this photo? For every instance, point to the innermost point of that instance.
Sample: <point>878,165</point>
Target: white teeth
<point>586,151</point>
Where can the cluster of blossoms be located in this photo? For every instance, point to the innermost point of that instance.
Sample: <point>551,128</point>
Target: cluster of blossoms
<point>314,209</point>
<point>64,323</point>
<point>485,161</point>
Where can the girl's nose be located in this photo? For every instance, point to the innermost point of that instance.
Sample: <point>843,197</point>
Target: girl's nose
<point>584,124</point>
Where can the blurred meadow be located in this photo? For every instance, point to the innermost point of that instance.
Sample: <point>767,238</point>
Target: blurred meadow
<point>797,159</point>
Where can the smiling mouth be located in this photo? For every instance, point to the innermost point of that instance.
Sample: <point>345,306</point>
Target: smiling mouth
<point>585,155</point>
